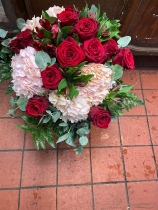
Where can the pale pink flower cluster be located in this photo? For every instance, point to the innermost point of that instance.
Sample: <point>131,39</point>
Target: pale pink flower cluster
<point>74,110</point>
<point>32,24</point>
<point>26,75</point>
<point>54,11</point>
<point>99,85</point>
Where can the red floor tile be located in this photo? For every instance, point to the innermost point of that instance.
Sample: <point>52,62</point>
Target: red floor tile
<point>139,163</point>
<point>39,168</point>
<point>143,195</point>
<point>110,196</point>
<point>5,105</point>
<point>5,84</point>
<point>149,79</point>
<point>153,128</point>
<point>13,139</point>
<point>10,165</point>
<point>105,137</point>
<point>134,131</point>
<point>131,77</point>
<point>151,101</point>
<point>72,168</point>
<point>38,199</point>
<point>107,165</point>
<point>74,198</point>
<point>9,199</point>
<point>138,110</point>
<point>156,156</point>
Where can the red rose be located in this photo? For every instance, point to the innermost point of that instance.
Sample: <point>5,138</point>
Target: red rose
<point>69,53</point>
<point>87,28</point>
<point>68,18</point>
<point>110,47</point>
<point>51,77</point>
<point>99,117</point>
<point>36,106</point>
<point>69,8</point>
<point>22,41</point>
<point>94,51</point>
<point>124,58</point>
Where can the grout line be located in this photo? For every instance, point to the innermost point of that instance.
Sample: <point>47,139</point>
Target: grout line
<point>82,184</point>
<point>93,204</point>
<point>124,168</point>
<point>21,169</point>
<point>152,146</point>
<point>57,178</point>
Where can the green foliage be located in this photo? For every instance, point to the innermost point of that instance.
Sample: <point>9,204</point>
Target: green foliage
<point>117,71</point>
<point>62,85</point>
<point>73,92</point>
<point>84,11</point>
<point>124,41</point>
<point>46,16</point>
<point>42,59</point>
<point>20,23</point>
<point>21,103</point>
<point>79,149</point>
<point>3,33</point>
<point>65,30</point>
<point>9,89</point>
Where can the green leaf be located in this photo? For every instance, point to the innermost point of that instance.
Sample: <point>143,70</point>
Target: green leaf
<point>3,33</point>
<point>73,92</point>
<point>30,120</point>
<point>6,50</point>
<point>12,103</point>
<point>125,89</point>
<point>46,119</point>
<point>63,124</point>
<point>51,19</point>
<point>124,41</point>
<point>93,9</point>
<point>59,38</point>
<point>9,89</point>
<point>63,84</point>
<point>55,115</point>
<point>83,78</point>
<point>11,112</point>
<point>20,23</point>
<point>42,59</point>
<point>21,102</point>
<point>16,31</point>
<point>45,41</point>
<point>47,34</point>
<point>70,140</point>
<point>83,140</point>
<point>84,11</point>
<point>65,30</point>
<point>63,138</point>
<point>79,149</point>
<point>26,128</point>
<point>83,131</point>
<point>117,72</point>
<point>5,42</point>
<point>4,77</point>
<point>53,60</point>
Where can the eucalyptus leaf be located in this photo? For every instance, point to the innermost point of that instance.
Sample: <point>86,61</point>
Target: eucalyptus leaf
<point>93,9</point>
<point>12,103</point>
<point>21,102</point>
<point>63,124</point>
<point>117,72</point>
<point>20,23</point>
<point>11,112</point>
<point>83,140</point>
<point>53,60</point>
<point>63,138</point>
<point>42,59</point>
<point>79,149</point>
<point>5,42</point>
<point>3,33</point>
<point>83,131</point>
<point>70,141</point>
<point>124,41</point>
<point>46,119</point>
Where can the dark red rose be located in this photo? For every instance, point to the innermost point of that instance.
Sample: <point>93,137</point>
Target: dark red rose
<point>25,38</point>
<point>15,45</point>
<point>70,8</point>
<point>36,106</point>
<point>68,18</point>
<point>124,58</point>
<point>39,33</point>
<point>87,28</point>
<point>45,24</point>
<point>50,49</point>
<point>110,47</point>
<point>69,53</point>
<point>99,116</point>
<point>51,77</point>
<point>94,51</point>
<point>37,45</point>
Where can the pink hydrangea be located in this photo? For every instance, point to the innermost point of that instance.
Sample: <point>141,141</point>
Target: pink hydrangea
<point>26,75</point>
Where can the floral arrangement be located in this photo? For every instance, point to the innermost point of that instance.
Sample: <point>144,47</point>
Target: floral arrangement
<point>66,67</point>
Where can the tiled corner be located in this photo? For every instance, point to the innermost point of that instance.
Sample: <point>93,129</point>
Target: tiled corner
<point>38,198</point>
<point>72,166</point>
<point>105,137</point>
<point>9,199</point>
<point>10,165</point>
<point>39,168</point>
<point>143,195</point>
<point>110,196</point>
<point>139,163</point>
<point>131,78</point>
<point>107,165</point>
<point>134,131</point>
<point>75,198</point>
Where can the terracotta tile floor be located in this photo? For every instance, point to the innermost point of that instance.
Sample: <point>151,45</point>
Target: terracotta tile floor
<point>117,171</point>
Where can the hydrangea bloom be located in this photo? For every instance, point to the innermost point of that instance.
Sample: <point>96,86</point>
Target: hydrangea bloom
<point>53,11</point>
<point>26,74</point>
<point>99,85</point>
<point>74,110</point>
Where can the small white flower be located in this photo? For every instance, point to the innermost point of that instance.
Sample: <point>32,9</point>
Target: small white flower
<point>54,11</point>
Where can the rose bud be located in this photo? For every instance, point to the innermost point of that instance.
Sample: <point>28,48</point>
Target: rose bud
<point>80,84</point>
<point>77,73</point>
<point>116,88</point>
